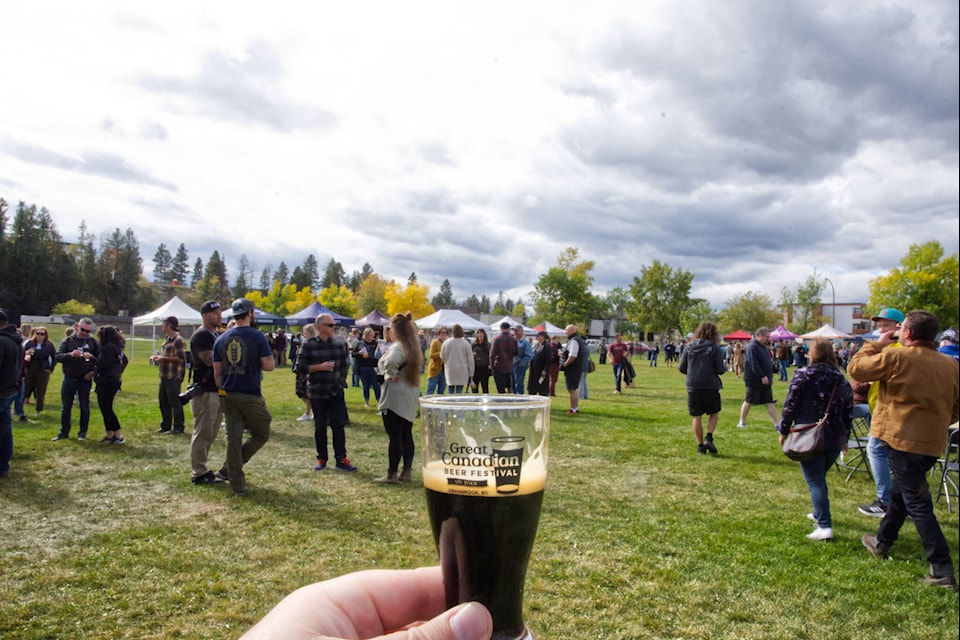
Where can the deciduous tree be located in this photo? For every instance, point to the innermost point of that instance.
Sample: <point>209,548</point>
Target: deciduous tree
<point>658,297</point>
<point>339,299</point>
<point>562,294</point>
<point>925,279</point>
<point>749,312</point>
<point>413,298</point>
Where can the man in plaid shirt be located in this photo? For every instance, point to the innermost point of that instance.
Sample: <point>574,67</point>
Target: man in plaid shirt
<point>173,366</point>
<point>324,359</point>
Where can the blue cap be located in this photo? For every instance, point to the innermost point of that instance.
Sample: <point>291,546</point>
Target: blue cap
<point>889,314</point>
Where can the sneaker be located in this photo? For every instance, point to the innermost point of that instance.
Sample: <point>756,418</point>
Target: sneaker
<point>947,582</point>
<point>740,425</point>
<point>872,545</point>
<point>824,534</point>
<point>712,448</point>
<point>617,392</point>
<point>175,432</point>
<point>162,430</point>
<point>208,478</point>
<point>24,418</point>
<point>106,439</point>
<point>222,476</point>
<point>81,437</point>
<point>59,436</point>
<point>343,464</point>
<point>571,412</point>
<point>875,509</point>
<point>304,418</point>
<point>702,449</point>
<point>117,440</point>
<point>320,466</point>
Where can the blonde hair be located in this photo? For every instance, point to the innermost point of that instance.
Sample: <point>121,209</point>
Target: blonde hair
<point>405,333</point>
<point>310,330</point>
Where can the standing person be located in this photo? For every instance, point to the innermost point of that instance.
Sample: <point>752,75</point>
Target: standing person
<point>365,355</point>
<point>11,366</point>
<point>949,344</point>
<point>554,363</point>
<point>300,386</point>
<point>521,361</point>
<point>108,375</point>
<point>436,382</point>
<point>619,352</point>
<point>481,362</point>
<point>702,363</point>
<point>458,362</point>
<point>653,355</point>
<point>572,365</point>
<point>887,322</point>
<point>240,355</point>
<point>173,367</point>
<point>540,366</point>
<point>280,348</point>
<point>738,358</point>
<point>352,341</point>
<point>670,353</point>
<point>784,356</point>
<point>423,350</point>
<point>602,351</point>
<point>758,377</point>
<point>815,390</point>
<point>503,349</point>
<point>400,368</point>
<point>77,355</point>
<point>917,398</point>
<point>205,403</point>
<point>324,360</point>
<point>40,354</point>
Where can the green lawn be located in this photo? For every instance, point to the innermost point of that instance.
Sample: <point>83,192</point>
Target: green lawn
<point>640,537</point>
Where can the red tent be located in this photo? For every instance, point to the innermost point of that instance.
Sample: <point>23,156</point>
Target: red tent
<point>739,334</point>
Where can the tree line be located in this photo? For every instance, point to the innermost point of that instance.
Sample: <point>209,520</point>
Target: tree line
<point>42,274</point>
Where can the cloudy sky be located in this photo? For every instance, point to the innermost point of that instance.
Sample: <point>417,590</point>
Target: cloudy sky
<point>749,142</point>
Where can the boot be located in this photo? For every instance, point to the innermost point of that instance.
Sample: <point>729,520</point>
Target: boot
<point>390,478</point>
<point>406,475</point>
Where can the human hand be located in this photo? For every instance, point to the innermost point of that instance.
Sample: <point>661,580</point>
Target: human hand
<point>371,605</point>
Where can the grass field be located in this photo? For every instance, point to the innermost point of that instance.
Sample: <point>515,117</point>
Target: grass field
<point>640,537</point>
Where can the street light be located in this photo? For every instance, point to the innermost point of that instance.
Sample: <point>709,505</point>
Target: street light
<point>833,317</point>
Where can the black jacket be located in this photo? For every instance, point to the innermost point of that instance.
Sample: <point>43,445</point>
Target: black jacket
<point>11,361</point>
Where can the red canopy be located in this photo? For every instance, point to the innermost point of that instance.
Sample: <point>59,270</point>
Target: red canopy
<point>739,334</point>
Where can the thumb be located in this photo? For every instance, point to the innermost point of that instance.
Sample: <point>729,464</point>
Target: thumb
<point>469,621</point>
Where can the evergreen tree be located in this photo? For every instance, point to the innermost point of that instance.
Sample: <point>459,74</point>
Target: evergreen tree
<point>243,282</point>
<point>197,275</point>
<point>282,274</point>
<point>265,281</point>
<point>162,263</point>
<point>179,267</point>
<point>484,304</point>
<point>299,278</point>
<point>444,298</point>
<point>333,276</point>
<point>86,261</point>
<point>119,268</point>
<point>412,280</point>
<point>311,272</point>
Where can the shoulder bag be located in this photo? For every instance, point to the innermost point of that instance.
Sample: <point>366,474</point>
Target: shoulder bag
<point>805,441</point>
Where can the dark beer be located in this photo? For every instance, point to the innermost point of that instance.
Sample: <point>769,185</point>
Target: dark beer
<point>484,540</point>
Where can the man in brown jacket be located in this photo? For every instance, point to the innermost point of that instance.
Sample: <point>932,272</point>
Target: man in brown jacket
<point>918,397</point>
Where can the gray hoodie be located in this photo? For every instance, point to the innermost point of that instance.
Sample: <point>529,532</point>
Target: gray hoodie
<point>702,363</point>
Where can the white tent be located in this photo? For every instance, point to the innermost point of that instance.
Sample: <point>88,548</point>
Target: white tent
<point>828,332</point>
<point>185,314</point>
<point>527,331</point>
<point>551,329</point>
<point>449,317</point>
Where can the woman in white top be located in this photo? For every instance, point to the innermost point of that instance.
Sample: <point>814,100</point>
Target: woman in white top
<point>400,368</point>
<point>458,363</point>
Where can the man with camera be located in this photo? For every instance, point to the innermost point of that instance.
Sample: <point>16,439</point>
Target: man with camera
<point>173,366</point>
<point>202,394</point>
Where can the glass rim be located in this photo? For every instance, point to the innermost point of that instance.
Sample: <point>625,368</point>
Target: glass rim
<point>474,401</point>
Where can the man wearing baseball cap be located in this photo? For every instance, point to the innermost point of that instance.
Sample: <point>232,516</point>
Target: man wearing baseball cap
<point>173,367</point>
<point>205,404</point>
<point>887,320</point>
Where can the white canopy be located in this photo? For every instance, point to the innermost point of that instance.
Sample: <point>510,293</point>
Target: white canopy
<point>527,331</point>
<point>828,332</point>
<point>185,314</point>
<point>449,317</point>
<point>551,329</point>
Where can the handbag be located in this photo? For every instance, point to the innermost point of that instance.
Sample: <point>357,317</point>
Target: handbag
<point>805,441</point>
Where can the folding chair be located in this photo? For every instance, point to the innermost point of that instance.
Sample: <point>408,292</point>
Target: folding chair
<point>949,467</point>
<point>855,459</point>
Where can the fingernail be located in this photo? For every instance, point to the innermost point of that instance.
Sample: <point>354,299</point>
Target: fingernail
<point>471,622</point>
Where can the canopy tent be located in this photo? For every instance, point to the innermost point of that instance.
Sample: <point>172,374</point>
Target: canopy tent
<point>828,332</point>
<point>781,333</point>
<point>495,326</point>
<point>551,329</point>
<point>310,313</point>
<point>448,318</point>
<point>739,334</point>
<point>373,319</point>
<point>186,315</point>
<point>259,316</point>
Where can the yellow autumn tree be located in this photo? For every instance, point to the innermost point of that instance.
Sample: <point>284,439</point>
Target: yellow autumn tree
<point>276,300</point>
<point>340,300</point>
<point>372,294</point>
<point>414,298</point>
<point>301,300</point>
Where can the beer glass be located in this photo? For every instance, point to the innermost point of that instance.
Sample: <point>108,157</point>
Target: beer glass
<point>484,471</point>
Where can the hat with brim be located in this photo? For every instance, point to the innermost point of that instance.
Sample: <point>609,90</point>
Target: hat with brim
<point>889,314</point>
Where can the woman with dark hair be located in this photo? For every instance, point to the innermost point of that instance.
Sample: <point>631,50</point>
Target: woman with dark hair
<point>481,362</point>
<point>39,353</point>
<point>458,361</point>
<point>366,354</point>
<point>539,381</point>
<point>108,373</point>
<point>817,389</point>
<point>400,368</point>
<point>702,363</point>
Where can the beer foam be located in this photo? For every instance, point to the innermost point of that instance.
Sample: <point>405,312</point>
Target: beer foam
<point>481,481</point>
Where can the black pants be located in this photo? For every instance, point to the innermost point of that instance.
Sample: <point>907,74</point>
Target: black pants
<point>401,446</point>
<point>106,391</point>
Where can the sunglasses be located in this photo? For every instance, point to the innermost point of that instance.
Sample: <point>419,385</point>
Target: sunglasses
<point>328,324</point>
<point>82,330</point>
<point>41,333</point>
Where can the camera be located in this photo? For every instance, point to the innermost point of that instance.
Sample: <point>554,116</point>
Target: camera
<point>192,390</point>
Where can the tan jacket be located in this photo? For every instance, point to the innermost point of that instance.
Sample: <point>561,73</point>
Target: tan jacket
<point>918,395</point>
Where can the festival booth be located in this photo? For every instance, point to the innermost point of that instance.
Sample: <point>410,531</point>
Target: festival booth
<point>373,319</point>
<point>782,334</point>
<point>260,317</point>
<point>310,313</point>
<point>552,330</point>
<point>184,313</point>
<point>448,318</point>
<point>828,332</point>
<point>739,334</point>
<point>495,326</point>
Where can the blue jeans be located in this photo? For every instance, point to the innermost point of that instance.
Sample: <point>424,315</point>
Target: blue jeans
<point>18,400</point>
<point>436,385</point>
<point>783,369</point>
<point>618,373</point>
<point>68,389</point>
<point>910,495</point>
<point>368,376</point>
<point>6,434</point>
<point>519,373</point>
<point>880,467</point>
<point>455,388</point>
<point>815,474</point>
